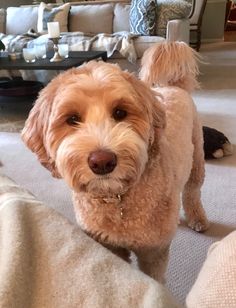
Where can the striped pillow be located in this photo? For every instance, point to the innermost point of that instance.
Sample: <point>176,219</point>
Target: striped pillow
<point>142,17</point>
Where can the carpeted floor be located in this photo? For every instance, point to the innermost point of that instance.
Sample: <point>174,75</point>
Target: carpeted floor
<point>13,113</point>
<point>216,102</point>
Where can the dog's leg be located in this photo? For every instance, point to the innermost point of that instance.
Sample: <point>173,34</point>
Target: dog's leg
<point>194,211</point>
<point>153,262</point>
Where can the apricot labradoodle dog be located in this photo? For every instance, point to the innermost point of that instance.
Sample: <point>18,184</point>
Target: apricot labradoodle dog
<point>126,151</point>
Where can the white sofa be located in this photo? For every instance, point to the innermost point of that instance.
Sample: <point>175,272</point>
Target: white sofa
<point>92,18</point>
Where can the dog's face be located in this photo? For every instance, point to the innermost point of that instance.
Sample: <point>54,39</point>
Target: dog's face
<point>94,126</point>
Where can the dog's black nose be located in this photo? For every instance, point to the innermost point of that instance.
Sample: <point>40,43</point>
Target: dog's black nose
<point>102,161</point>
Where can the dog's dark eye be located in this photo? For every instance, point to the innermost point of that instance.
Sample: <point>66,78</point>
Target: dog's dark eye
<point>74,119</point>
<point>119,114</point>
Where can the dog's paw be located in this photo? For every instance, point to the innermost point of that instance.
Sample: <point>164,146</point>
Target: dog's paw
<point>218,153</point>
<point>227,148</point>
<point>199,226</point>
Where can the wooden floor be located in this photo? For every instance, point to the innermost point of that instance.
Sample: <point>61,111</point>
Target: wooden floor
<point>230,27</point>
<point>230,36</point>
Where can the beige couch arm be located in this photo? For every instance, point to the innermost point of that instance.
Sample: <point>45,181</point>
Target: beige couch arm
<point>178,30</point>
<point>216,283</point>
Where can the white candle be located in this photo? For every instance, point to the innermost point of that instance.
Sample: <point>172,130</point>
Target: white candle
<point>53,29</point>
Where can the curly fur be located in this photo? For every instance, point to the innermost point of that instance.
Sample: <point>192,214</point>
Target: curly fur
<point>136,206</point>
<point>170,63</point>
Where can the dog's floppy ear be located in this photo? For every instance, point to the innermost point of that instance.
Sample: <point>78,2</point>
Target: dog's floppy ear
<point>36,127</point>
<point>151,102</point>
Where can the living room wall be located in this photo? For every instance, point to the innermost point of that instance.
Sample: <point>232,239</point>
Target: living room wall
<point>213,20</point>
<point>6,3</point>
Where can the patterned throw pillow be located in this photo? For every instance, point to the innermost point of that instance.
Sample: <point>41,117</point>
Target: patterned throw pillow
<point>142,17</point>
<point>169,10</point>
<point>47,13</point>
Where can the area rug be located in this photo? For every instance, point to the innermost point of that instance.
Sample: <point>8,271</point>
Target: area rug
<point>13,113</point>
<point>8,125</point>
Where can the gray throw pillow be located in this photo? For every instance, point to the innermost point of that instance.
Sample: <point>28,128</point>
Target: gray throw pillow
<point>47,13</point>
<point>142,17</point>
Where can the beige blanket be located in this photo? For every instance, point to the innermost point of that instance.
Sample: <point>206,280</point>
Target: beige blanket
<point>216,283</point>
<point>45,261</point>
<point>78,41</point>
<point>121,42</point>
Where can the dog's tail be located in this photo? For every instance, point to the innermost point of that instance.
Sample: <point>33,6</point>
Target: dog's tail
<point>170,64</point>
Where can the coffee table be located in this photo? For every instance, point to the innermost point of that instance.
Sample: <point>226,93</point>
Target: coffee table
<point>75,58</point>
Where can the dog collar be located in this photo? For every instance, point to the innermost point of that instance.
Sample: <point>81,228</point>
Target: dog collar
<point>116,200</point>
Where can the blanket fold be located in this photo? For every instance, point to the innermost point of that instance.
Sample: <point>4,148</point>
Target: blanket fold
<point>78,41</point>
<point>121,42</point>
<point>45,261</point>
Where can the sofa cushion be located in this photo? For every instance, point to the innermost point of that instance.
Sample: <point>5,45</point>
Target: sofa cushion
<point>20,19</point>
<point>2,21</point>
<point>121,17</point>
<point>47,13</point>
<point>169,10</point>
<point>141,43</point>
<point>91,18</point>
<point>143,17</point>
